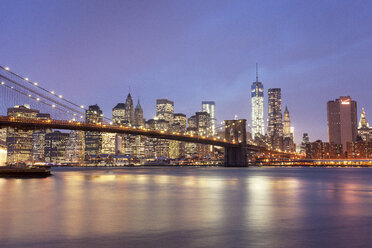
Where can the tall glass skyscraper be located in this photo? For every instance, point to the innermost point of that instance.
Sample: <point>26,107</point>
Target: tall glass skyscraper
<point>275,118</point>
<point>209,107</point>
<point>257,94</point>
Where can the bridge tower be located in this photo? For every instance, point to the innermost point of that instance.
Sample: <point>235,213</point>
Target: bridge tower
<point>235,131</point>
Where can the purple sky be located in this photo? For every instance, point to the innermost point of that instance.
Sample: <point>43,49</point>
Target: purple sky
<point>190,51</point>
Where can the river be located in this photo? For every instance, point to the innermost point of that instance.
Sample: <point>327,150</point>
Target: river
<point>189,207</point>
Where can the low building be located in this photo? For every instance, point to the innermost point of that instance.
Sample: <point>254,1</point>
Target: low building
<point>55,147</point>
<point>323,150</point>
<point>359,149</point>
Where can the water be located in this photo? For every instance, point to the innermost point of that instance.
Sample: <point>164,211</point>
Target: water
<point>189,207</point>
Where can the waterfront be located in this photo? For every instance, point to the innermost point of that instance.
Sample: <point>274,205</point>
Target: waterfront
<point>189,207</point>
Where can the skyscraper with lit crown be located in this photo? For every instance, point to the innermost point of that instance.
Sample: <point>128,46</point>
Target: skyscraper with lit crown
<point>342,121</point>
<point>364,130</point>
<point>257,94</point>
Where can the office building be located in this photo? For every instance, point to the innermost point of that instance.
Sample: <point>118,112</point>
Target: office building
<point>108,143</point>
<point>118,114</point>
<point>93,140</point>
<point>177,148</point>
<point>138,116</point>
<point>275,121</point>
<point>359,150</point>
<point>288,144</point>
<point>75,147</point>
<point>305,140</point>
<point>342,120</point>
<point>364,130</point>
<point>129,113</point>
<point>19,141</point>
<point>38,139</point>
<point>55,147</point>
<point>323,150</point>
<point>257,114</point>
<point>165,110</point>
<point>209,107</point>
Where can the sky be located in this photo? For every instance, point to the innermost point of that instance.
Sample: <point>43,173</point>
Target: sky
<point>93,52</point>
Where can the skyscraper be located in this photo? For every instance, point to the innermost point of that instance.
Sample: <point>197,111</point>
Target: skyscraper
<point>118,114</point>
<point>364,130</point>
<point>55,147</point>
<point>288,143</point>
<point>138,115</point>
<point>342,120</point>
<point>38,140</point>
<point>209,107</point>
<point>275,124</point>
<point>165,110</point>
<point>129,114</point>
<point>75,146</point>
<point>93,140</point>
<point>257,94</point>
<point>139,121</point>
<point>19,141</point>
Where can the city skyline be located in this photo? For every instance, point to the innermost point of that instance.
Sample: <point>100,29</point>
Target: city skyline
<point>191,69</point>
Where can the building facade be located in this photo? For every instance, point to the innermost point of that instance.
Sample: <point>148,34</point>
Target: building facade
<point>55,147</point>
<point>18,141</point>
<point>323,150</point>
<point>165,110</point>
<point>288,143</point>
<point>257,114</point>
<point>209,107</point>
<point>93,140</point>
<point>364,130</point>
<point>342,120</point>
<point>38,140</point>
<point>275,120</point>
<point>118,114</point>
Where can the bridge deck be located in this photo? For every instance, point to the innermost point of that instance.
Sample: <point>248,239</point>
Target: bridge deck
<point>26,123</point>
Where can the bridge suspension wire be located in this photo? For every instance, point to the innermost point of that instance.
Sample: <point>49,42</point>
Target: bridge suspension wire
<point>74,111</point>
<point>42,96</point>
<point>35,98</point>
<point>42,88</point>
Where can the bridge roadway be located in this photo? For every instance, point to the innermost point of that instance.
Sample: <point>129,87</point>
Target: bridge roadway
<point>28,123</point>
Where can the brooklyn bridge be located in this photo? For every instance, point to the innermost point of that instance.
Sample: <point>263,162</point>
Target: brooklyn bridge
<point>67,115</point>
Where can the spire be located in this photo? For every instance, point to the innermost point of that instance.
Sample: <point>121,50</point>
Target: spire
<point>286,109</point>
<point>138,104</point>
<point>363,123</point>
<point>256,71</point>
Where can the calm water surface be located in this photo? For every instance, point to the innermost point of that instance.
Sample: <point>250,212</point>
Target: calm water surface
<point>189,207</point>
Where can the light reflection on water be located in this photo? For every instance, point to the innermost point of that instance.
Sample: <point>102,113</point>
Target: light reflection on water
<point>189,207</point>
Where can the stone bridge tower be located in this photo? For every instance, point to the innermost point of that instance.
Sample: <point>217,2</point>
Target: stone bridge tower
<point>235,132</point>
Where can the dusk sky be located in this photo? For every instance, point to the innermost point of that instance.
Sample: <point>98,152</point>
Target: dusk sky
<point>188,51</point>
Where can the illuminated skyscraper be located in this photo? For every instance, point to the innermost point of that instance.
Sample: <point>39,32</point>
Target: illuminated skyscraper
<point>118,114</point>
<point>19,141</point>
<point>364,130</point>
<point>177,148</point>
<point>138,116</point>
<point>342,121</point>
<point>165,110</point>
<point>93,140</point>
<point>257,94</point>
<point>209,107</point>
<point>288,143</point>
<point>75,147</point>
<point>38,140</point>
<point>55,147</point>
<point>275,121</point>
<point>129,114</point>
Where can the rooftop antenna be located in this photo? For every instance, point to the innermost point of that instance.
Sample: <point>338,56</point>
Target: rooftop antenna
<point>256,71</point>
